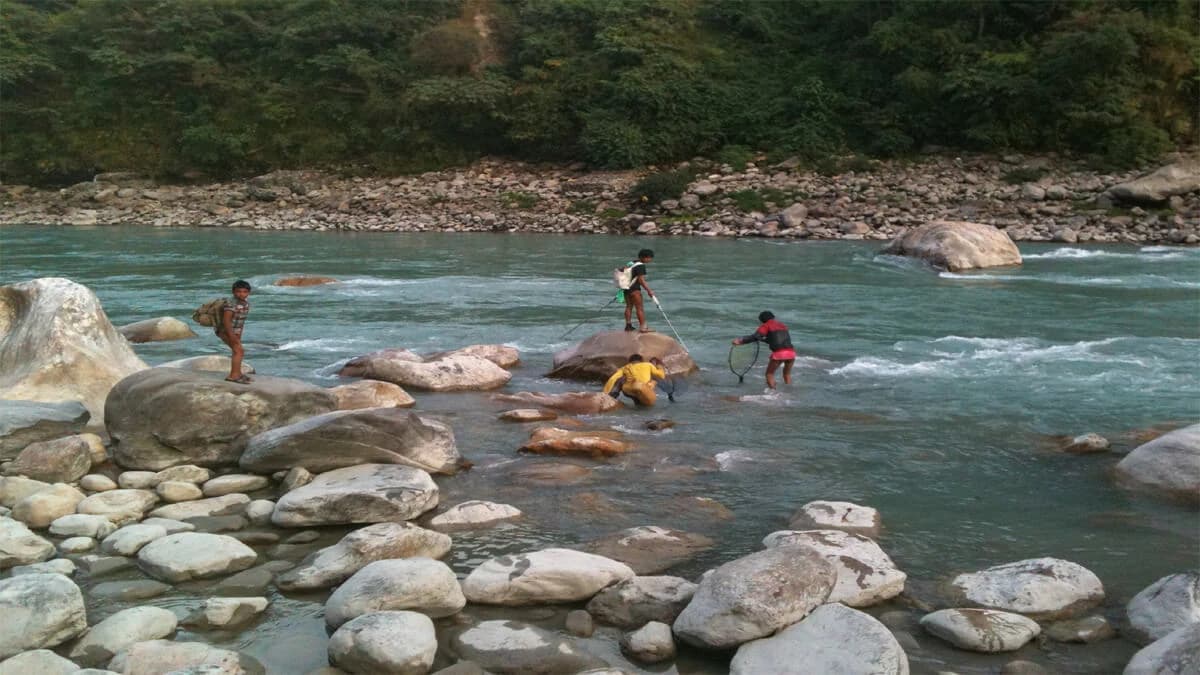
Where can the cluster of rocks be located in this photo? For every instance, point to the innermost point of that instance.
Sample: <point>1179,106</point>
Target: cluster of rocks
<point>220,489</point>
<point>1031,198</point>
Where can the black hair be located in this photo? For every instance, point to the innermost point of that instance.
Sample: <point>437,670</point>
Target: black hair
<point>764,317</point>
<point>635,358</point>
<point>645,253</point>
<point>241,283</point>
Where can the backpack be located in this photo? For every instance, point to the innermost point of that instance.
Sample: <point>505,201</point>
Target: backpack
<point>209,314</point>
<point>623,276</point>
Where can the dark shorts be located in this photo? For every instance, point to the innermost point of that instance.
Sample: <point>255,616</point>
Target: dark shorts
<point>629,294</point>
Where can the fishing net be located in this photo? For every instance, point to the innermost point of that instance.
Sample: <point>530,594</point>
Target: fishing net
<point>742,358</point>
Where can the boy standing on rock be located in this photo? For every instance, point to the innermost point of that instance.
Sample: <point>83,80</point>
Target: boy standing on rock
<point>229,329</point>
<point>633,294</point>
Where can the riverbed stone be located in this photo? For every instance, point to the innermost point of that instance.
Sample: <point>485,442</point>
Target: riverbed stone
<point>652,643</point>
<point>602,354</point>
<point>382,541</point>
<point>754,596</point>
<point>1158,186</point>
<point>541,577</point>
<point>394,642</point>
<point>501,355</point>
<point>1039,588</point>
<point>1167,467</point>
<point>192,658</point>
<point>82,525</point>
<point>225,505</point>
<point>579,623</point>
<point>829,515</point>
<point>458,372</point>
<point>649,549</point>
<point>137,480</point>
<point>574,403</point>
<point>957,245</point>
<point>60,460</point>
<point>194,555</point>
<point>367,493</point>
<point>25,422</point>
<point>174,491</point>
<point>472,515</point>
<point>416,584</point>
<point>130,539</point>
<point>15,488</point>
<point>56,566</point>
<point>1165,606</point>
<point>639,600</point>
<point>349,437</point>
<point>72,545</point>
<point>127,627</point>
<point>1086,444</point>
<point>126,591</point>
<point>515,648</point>
<point>41,508</point>
<point>865,574</point>
<point>296,477</point>
<point>162,417</point>
<point>37,662</point>
<point>226,612</point>
<point>39,611</point>
<point>95,482</point>
<point>97,565</point>
<point>589,443</point>
<point>208,363</point>
<point>1085,630</point>
<point>120,506</point>
<point>981,630</point>
<point>259,511</point>
<point>234,483</point>
<point>527,415</point>
<point>58,345</point>
<point>170,525</point>
<point>833,639</point>
<point>184,473</point>
<point>1177,653</point>
<point>371,394</point>
<point>161,329</point>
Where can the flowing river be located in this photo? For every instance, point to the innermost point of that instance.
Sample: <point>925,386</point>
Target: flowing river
<point>932,397</point>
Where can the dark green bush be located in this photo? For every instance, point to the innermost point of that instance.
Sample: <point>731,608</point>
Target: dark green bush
<point>656,187</point>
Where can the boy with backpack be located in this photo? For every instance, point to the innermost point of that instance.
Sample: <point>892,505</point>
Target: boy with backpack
<point>631,280</point>
<point>779,341</point>
<point>227,316</point>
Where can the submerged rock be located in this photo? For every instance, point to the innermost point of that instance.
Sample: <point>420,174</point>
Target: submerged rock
<point>865,574</point>
<point>648,549</point>
<point>547,576</point>
<point>596,444</point>
<point>956,245</point>
<point>602,354</point>
<point>1167,467</point>
<point>527,415</point>
<point>833,639</point>
<point>575,403</point>
<point>305,280</point>
<point>226,612</point>
<point>368,493</point>
<point>162,329</point>
<point>514,648</point>
<point>1040,588</point>
<point>981,630</point>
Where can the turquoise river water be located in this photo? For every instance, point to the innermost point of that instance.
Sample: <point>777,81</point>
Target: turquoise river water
<point>932,397</point>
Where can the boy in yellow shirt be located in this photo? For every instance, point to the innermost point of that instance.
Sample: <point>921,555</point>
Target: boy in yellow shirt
<point>635,379</point>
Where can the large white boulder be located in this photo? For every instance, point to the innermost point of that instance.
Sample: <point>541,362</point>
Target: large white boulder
<point>397,643</point>
<point>1040,588</point>
<point>846,516</point>
<point>754,596</point>
<point>1159,186</point>
<point>541,577</point>
<point>334,564</point>
<point>1168,466</point>
<point>25,422</point>
<point>514,648</point>
<point>453,372</point>
<point>865,574</point>
<point>1165,606</point>
<point>833,639</point>
<point>415,584</point>
<point>156,330</point>
<point>367,493</point>
<point>1178,653</point>
<point>57,344</point>
<point>125,628</point>
<point>981,630</point>
<point>956,245</point>
<point>38,611</point>
<point>194,555</point>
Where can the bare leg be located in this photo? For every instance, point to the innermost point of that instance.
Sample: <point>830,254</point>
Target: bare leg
<point>771,366</point>
<point>628,308</point>
<point>235,360</point>
<point>787,370</point>
<point>639,306</point>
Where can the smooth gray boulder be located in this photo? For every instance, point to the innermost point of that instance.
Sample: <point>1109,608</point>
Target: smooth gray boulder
<point>194,555</point>
<point>37,662</point>
<point>162,329</point>
<point>1165,606</point>
<point>60,460</point>
<point>981,630</point>
<point>637,601</point>
<point>453,372</point>
<point>334,564</point>
<point>1167,467</point>
<point>514,648</point>
<point>368,493</point>
<point>415,584</point>
<point>57,344</point>
<point>20,546</point>
<point>652,643</point>
<point>542,577</point>
<point>371,394</point>
<point>163,417</point>
<point>1176,654</point>
<point>473,514</point>
<point>845,516</point>
<point>649,549</point>
<point>1160,185</point>
<point>226,612</point>
<point>865,574</point>
<point>833,639</point>
<point>1040,588</point>
<point>127,627</point>
<point>25,422</point>
<point>397,643</point>
<point>182,658</point>
<point>225,505</point>
<point>957,245</point>
<point>130,539</point>
<point>754,596</point>
<point>349,437</point>
<point>604,353</point>
<point>39,611</point>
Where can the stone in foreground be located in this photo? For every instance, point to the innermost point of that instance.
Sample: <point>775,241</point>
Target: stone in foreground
<point>1165,606</point>
<point>1040,588</point>
<point>833,639</point>
<point>514,648</point>
<point>957,245</point>
<point>368,493</point>
<point>193,658</point>
<point>981,630</point>
<point>652,643</point>
<point>38,662</point>
<point>416,584</point>
<point>1167,467</point>
<point>1176,654</point>
<point>542,577</point>
<point>334,564</point>
<point>39,611</point>
<point>397,643</point>
<point>25,422</point>
<point>194,555</point>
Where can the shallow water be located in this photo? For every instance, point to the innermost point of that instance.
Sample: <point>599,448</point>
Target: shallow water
<point>929,396</point>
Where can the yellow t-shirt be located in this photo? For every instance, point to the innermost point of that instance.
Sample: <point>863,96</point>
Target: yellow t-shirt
<point>643,371</point>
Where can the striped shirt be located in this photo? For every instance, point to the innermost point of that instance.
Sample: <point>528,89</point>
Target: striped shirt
<point>240,309</point>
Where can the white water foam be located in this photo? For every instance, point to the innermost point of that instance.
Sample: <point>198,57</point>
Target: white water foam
<point>1150,253</point>
<point>1135,281</point>
<point>727,459</point>
<point>319,345</point>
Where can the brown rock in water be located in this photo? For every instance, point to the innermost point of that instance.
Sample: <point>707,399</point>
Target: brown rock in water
<point>957,245</point>
<point>305,281</point>
<point>576,403</point>
<point>549,440</point>
<point>649,549</point>
<point>658,425</point>
<point>371,394</point>
<point>365,365</point>
<point>599,356</point>
<point>156,330</point>
<point>527,415</point>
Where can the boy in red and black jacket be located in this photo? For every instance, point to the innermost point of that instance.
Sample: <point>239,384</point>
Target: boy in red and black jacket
<point>779,341</point>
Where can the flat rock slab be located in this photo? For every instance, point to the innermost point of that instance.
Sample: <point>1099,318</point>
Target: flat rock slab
<point>511,647</point>
<point>368,493</point>
<point>194,555</point>
<point>25,422</point>
<point>602,354</point>
<point>349,437</point>
<point>542,577</point>
<point>39,611</point>
<point>1040,588</point>
<point>833,639</point>
<point>981,630</point>
<point>865,574</point>
<point>124,591</point>
<point>649,549</point>
<point>474,514</point>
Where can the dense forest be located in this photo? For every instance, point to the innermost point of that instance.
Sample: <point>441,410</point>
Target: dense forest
<point>226,87</point>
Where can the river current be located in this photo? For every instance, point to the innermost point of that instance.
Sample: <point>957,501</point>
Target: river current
<point>932,397</point>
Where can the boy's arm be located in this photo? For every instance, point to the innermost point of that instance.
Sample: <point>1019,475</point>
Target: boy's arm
<point>657,372</point>
<point>611,381</point>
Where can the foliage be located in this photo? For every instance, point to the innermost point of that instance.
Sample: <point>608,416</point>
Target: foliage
<point>229,87</point>
<point>519,200</point>
<point>748,200</point>
<point>659,186</point>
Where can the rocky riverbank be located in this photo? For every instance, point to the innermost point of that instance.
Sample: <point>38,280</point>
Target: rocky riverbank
<point>1031,198</point>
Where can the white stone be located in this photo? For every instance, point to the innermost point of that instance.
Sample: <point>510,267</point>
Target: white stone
<point>95,482</point>
<point>547,576</point>
<point>39,610</point>
<point>403,643</point>
<point>119,631</point>
<point>43,507</point>
<point>1040,588</point>
<point>227,612</point>
<point>37,662</point>
<point>234,483</point>
<point>259,511</point>
<point>981,630</point>
<point>865,574</point>
<point>833,639</point>
<point>846,516</point>
<point>57,566</point>
<point>194,555</point>
<point>138,480</point>
<point>651,643</point>
<point>173,491</point>
<point>224,505</point>
<point>1165,606</point>
<point>473,514</point>
<point>77,545</point>
<point>417,584</point>
<point>130,539</point>
<point>82,525</point>
<point>119,506</point>
<point>382,541</point>
<point>1168,466</point>
<point>1176,654</point>
<point>367,493</point>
